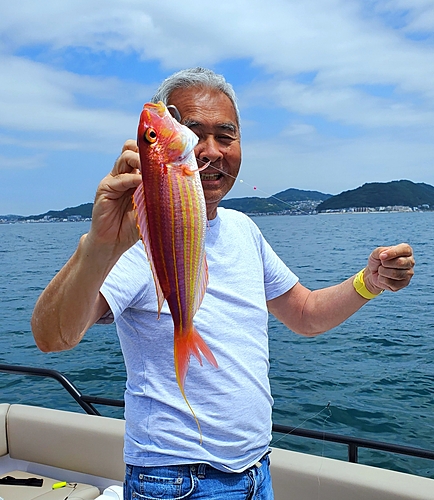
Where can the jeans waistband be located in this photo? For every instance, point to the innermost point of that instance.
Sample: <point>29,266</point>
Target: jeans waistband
<point>201,469</point>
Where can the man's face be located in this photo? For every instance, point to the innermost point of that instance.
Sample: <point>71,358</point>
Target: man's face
<point>211,116</point>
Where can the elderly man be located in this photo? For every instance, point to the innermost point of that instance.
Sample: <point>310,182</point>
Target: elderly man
<point>108,278</point>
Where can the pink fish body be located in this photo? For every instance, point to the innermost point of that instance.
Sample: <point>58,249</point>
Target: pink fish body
<point>171,216</point>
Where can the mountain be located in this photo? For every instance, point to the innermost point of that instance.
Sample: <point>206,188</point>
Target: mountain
<point>377,194</point>
<point>81,211</point>
<point>296,201</point>
<point>85,211</point>
<point>289,199</point>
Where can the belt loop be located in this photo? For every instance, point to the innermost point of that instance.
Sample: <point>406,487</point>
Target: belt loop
<point>258,464</point>
<point>201,471</point>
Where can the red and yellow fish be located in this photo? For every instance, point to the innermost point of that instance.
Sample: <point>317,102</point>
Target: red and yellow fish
<point>171,216</point>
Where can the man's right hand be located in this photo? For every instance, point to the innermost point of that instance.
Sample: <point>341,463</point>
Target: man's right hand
<point>71,303</point>
<point>113,218</point>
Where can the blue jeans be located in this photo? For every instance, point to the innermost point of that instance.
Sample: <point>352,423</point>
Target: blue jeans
<point>198,481</point>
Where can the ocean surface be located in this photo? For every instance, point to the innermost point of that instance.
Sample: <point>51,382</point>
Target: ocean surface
<point>376,370</point>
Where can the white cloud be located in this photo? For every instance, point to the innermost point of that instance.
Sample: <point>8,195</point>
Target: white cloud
<point>37,99</point>
<point>330,37</point>
<point>332,165</point>
<point>298,130</point>
<point>345,105</point>
<point>418,15</point>
<point>349,83</point>
<point>21,162</point>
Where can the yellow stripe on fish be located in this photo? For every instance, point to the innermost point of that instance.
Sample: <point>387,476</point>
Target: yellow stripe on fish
<point>171,217</point>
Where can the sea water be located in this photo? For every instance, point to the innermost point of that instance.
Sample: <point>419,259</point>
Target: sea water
<point>375,370</point>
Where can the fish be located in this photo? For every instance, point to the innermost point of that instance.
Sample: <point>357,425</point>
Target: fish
<point>172,223</point>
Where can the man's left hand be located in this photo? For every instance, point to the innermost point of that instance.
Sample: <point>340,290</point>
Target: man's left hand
<point>389,268</point>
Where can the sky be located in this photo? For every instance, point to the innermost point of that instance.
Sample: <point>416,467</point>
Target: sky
<point>332,93</point>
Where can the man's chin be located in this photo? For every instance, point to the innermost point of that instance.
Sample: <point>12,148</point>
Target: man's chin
<point>213,196</point>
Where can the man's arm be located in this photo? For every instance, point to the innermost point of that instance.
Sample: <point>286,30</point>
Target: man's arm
<point>312,312</point>
<point>71,303</point>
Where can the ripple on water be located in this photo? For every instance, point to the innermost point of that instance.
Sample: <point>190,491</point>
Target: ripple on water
<point>376,369</point>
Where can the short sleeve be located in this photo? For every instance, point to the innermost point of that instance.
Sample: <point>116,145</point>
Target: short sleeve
<point>132,268</point>
<point>278,278</point>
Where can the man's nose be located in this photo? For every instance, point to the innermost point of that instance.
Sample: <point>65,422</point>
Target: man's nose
<point>208,150</point>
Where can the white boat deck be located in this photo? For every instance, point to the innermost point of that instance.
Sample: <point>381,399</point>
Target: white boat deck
<point>73,447</point>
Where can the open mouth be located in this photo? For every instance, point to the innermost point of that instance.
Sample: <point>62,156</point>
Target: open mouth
<point>210,177</point>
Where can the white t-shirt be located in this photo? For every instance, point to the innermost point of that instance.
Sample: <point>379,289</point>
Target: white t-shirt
<point>232,403</point>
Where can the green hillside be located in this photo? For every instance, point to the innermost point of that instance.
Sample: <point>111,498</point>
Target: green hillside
<point>84,211</point>
<point>376,194</point>
<point>284,200</point>
<point>296,201</point>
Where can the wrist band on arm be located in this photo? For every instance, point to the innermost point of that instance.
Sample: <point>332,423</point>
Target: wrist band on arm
<point>360,287</point>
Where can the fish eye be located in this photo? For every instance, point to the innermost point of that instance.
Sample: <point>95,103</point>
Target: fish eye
<point>150,135</point>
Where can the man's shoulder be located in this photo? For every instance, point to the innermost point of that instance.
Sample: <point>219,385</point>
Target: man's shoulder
<point>133,258</point>
<point>237,222</point>
<point>229,214</point>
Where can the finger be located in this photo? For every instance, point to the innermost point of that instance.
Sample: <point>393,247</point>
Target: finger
<point>128,161</point>
<point>115,186</point>
<point>393,252</point>
<point>131,145</point>
<point>399,280</point>
<point>399,263</point>
<point>395,274</point>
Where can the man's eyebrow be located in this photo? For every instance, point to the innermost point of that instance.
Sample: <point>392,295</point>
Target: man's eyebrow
<point>224,126</point>
<point>190,123</point>
<point>228,126</point>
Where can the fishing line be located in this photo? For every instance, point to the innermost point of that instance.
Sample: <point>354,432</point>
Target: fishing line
<point>241,181</point>
<point>326,408</point>
<point>322,451</point>
<point>73,486</point>
<point>327,417</point>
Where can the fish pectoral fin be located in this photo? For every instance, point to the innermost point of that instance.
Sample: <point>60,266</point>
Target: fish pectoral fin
<point>187,171</point>
<point>139,205</point>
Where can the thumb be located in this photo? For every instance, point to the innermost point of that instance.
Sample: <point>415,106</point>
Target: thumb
<point>378,255</point>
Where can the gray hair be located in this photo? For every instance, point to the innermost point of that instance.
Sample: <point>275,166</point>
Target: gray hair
<point>196,77</point>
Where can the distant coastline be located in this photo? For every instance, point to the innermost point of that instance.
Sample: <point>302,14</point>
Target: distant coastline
<point>394,196</point>
<point>297,212</point>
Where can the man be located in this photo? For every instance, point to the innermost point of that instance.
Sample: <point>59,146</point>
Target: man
<point>108,276</point>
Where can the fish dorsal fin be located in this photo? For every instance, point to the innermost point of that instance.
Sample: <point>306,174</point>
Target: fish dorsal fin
<point>139,206</point>
<point>202,285</point>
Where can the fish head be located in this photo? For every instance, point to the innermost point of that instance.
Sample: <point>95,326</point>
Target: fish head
<point>161,138</point>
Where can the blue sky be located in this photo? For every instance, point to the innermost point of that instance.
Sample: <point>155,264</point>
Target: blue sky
<point>332,93</point>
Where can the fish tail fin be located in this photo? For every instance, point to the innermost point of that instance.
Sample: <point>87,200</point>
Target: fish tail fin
<point>186,344</point>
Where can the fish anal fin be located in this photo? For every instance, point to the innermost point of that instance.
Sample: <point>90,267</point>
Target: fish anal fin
<point>139,205</point>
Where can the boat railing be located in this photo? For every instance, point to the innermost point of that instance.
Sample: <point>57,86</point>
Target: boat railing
<point>353,444</point>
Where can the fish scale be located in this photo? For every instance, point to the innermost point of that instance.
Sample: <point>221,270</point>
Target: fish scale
<point>171,217</point>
